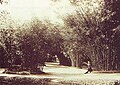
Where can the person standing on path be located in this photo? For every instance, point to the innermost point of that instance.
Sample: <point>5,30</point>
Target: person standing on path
<point>89,67</point>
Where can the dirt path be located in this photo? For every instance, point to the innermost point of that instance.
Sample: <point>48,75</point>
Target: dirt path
<point>65,75</point>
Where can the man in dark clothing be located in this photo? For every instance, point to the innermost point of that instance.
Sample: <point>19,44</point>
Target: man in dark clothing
<point>89,67</point>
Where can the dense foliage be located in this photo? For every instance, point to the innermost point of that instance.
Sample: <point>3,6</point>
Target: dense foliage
<point>90,33</point>
<point>97,32</point>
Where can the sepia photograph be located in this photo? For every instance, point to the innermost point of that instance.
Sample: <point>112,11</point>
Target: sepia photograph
<point>59,42</point>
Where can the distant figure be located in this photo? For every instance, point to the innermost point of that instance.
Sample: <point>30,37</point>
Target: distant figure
<point>89,67</point>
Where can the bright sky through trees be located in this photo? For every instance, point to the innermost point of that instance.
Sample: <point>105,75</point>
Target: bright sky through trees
<point>46,9</point>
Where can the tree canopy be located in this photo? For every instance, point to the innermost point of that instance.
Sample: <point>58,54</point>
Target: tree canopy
<point>90,33</point>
